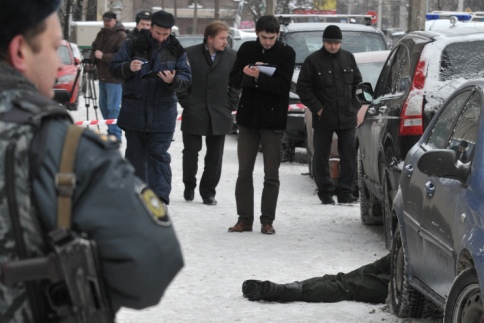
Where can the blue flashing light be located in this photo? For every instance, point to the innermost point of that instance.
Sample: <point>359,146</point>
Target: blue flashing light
<point>460,17</point>
<point>432,16</point>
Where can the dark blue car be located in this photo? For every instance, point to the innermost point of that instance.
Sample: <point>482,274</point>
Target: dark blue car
<point>438,246</point>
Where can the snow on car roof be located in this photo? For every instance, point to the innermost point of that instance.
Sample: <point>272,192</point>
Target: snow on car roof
<point>436,90</point>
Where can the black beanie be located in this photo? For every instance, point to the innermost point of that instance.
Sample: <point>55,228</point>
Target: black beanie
<point>18,16</point>
<point>332,34</point>
<point>109,15</point>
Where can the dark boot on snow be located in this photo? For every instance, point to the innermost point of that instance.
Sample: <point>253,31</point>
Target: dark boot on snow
<point>256,290</point>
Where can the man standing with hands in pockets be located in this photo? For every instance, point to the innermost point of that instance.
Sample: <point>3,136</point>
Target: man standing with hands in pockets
<point>327,86</point>
<point>261,119</point>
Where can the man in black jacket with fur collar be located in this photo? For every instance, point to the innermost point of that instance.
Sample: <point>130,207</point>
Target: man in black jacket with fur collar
<point>326,86</point>
<point>261,119</point>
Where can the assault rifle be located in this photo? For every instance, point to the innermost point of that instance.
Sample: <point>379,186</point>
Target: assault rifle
<point>75,292</point>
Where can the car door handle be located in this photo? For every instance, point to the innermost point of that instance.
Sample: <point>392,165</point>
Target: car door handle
<point>383,109</point>
<point>371,110</point>
<point>430,188</point>
<point>408,169</point>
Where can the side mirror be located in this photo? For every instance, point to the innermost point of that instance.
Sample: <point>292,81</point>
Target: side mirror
<point>442,163</point>
<point>77,61</point>
<point>62,96</point>
<point>364,93</point>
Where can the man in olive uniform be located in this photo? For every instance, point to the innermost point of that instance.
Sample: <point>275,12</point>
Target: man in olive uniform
<point>138,250</point>
<point>368,284</point>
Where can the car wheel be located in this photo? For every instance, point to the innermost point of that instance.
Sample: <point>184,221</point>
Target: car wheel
<point>288,149</point>
<point>387,213</point>
<point>464,303</point>
<point>404,300</point>
<point>370,208</point>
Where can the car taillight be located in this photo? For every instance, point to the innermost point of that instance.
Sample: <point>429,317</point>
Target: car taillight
<point>411,123</point>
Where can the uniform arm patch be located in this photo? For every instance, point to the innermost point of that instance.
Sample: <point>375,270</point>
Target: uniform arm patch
<point>156,209</point>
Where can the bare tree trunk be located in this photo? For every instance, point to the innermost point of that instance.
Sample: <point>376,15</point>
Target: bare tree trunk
<point>416,15</point>
<point>91,14</point>
<point>217,10</point>
<point>67,15</point>
<point>270,7</point>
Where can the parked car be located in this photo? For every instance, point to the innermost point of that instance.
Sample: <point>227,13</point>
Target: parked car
<point>239,36</point>
<point>190,40</point>
<point>68,77</point>
<point>307,38</point>
<point>437,254</point>
<point>370,65</point>
<point>421,71</point>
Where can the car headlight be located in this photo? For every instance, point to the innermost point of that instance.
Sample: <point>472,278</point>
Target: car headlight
<point>68,78</point>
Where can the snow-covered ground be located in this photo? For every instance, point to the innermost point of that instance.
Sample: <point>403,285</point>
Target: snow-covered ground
<point>311,240</point>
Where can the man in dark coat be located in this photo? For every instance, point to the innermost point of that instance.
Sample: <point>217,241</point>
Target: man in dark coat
<point>107,43</point>
<point>154,67</point>
<point>143,21</point>
<point>207,110</point>
<point>263,70</point>
<point>327,85</point>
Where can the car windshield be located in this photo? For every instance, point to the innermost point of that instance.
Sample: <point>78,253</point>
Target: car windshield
<point>370,71</point>
<point>307,42</point>
<point>462,60</point>
<point>64,55</point>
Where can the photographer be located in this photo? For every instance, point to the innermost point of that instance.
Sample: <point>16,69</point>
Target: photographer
<point>139,252</point>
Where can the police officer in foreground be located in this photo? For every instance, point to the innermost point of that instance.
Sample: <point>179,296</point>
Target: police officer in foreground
<point>139,252</point>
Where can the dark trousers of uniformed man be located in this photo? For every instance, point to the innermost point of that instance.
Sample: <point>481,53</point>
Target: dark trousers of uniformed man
<point>213,162</point>
<point>368,284</point>
<point>346,149</point>
<point>148,153</point>
<point>248,144</point>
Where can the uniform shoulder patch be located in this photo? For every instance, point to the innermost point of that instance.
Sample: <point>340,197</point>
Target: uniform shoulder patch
<point>156,209</point>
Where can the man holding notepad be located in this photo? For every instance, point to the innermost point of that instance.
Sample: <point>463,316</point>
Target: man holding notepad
<point>263,69</point>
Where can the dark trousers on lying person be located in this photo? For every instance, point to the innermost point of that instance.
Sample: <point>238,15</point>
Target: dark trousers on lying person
<point>213,162</point>
<point>368,284</point>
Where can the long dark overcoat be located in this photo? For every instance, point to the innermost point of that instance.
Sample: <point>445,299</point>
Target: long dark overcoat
<point>209,98</point>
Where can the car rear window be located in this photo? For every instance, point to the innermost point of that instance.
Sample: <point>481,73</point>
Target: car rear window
<point>307,42</point>
<point>462,60</point>
<point>64,55</point>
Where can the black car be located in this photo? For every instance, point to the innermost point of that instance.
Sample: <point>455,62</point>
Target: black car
<point>306,38</point>
<point>437,253</point>
<point>422,69</point>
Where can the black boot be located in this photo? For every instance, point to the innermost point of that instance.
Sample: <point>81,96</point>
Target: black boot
<point>256,290</point>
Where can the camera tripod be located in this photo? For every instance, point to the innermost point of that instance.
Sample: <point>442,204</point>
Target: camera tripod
<point>88,87</point>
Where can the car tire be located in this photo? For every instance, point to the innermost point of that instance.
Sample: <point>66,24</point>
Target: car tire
<point>388,219</point>
<point>288,149</point>
<point>370,208</point>
<point>404,300</point>
<point>464,302</point>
